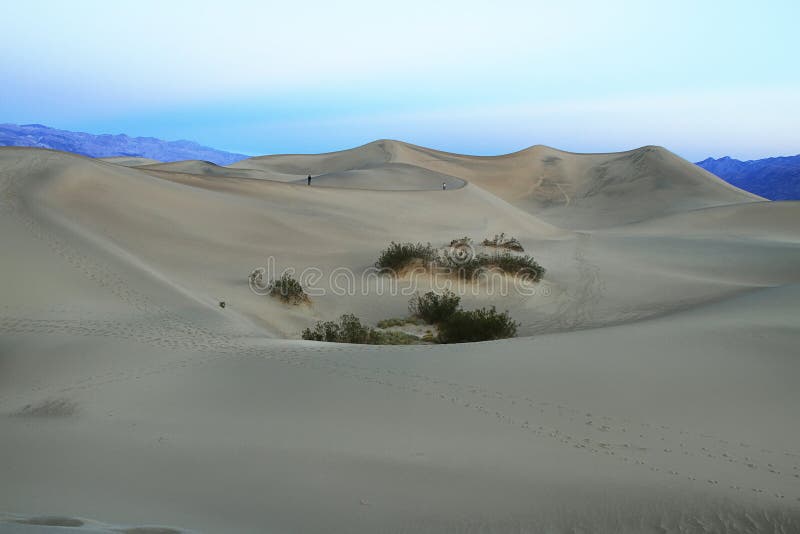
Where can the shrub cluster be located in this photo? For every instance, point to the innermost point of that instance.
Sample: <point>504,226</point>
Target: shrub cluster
<point>288,290</point>
<point>484,324</point>
<point>501,241</point>
<point>350,330</point>
<point>459,326</point>
<point>461,259</point>
<point>393,338</point>
<point>432,307</point>
<point>503,261</point>
<point>514,264</point>
<point>397,256</point>
<point>461,242</point>
<point>395,321</point>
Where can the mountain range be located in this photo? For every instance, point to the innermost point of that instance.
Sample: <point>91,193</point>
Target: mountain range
<point>772,178</point>
<point>106,145</point>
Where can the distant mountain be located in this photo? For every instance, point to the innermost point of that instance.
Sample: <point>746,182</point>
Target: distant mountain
<point>772,178</point>
<point>103,146</point>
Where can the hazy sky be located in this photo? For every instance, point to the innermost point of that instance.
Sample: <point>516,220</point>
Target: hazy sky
<point>699,77</point>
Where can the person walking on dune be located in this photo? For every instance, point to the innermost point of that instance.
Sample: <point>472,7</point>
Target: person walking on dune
<point>309,179</point>
<point>444,186</point>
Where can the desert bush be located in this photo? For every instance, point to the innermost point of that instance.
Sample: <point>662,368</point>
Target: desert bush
<point>483,324</point>
<point>432,307</point>
<point>348,330</point>
<point>392,338</point>
<point>461,259</point>
<point>322,331</point>
<point>515,264</point>
<point>398,321</point>
<point>256,278</point>
<point>461,242</point>
<point>288,290</point>
<point>464,267</point>
<point>503,261</point>
<point>501,241</point>
<point>399,255</point>
<point>352,331</point>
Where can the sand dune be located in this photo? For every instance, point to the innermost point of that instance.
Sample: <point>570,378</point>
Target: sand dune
<point>388,177</point>
<point>653,388</point>
<point>130,161</point>
<point>568,189</point>
<point>369,155</point>
<point>206,168</point>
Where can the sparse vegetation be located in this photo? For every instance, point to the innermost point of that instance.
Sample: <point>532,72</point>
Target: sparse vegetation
<point>398,256</point>
<point>350,330</point>
<point>398,321</point>
<point>461,258</point>
<point>288,290</point>
<point>393,338</point>
<point>52,407</point>
<point>501,241</point>
<point>459,326</point>
<point>432,307</point>
<point>453,325</point>
<point>483,324</point>
<point>323,331</point>
<point>506,262</point>
<point>515,264</point>
<point>461,242</point>
<point>256,278</point>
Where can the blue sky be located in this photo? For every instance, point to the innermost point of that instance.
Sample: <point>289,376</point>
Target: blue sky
<point>701,78</point>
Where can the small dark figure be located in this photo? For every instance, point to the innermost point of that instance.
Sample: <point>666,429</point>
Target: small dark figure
<point>222,304</point>
<point>309,179</point>
<point>444,186</point>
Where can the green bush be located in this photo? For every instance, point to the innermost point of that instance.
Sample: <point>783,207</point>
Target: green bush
<point>516,265</point>
<point>392,338</point>
<point>322,331</point>
<point>434,308</point>
<point>501,241</point>
<point>397,321</point>
<point>464,267</point>
<point>461,242</point>
<point>288,290</point>
<point>483,324</point>
<point>397,256</point>
<point>350,330</point>
<point>460,259</point>
<point>503,261</point>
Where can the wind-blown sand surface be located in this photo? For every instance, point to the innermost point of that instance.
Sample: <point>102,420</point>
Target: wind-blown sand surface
<point>653,388</point>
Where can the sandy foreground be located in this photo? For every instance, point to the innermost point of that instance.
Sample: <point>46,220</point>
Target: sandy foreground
<point>653,387</point>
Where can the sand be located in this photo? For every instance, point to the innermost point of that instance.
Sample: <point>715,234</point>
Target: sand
<point>131,161</point>
<point>652,388</point>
